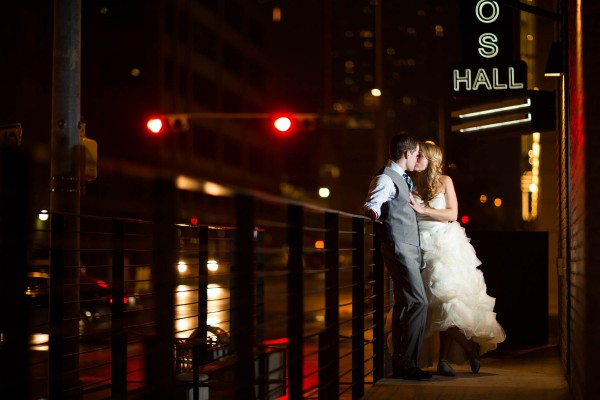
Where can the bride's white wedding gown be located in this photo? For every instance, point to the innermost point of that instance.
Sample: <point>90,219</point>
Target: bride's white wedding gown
<point>455,287</point>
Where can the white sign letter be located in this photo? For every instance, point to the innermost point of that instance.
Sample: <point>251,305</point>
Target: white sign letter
<point>457,79</point>
<point>489,48</point>
<point>481,79</point>
<point>496,80</point>
<point>511,80</point>
<point>487,19</point>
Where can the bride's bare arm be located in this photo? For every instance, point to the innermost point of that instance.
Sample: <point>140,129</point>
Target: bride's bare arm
<point>450,213</point>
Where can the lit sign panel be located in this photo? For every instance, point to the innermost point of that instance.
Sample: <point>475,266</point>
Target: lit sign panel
<point>489,66</point>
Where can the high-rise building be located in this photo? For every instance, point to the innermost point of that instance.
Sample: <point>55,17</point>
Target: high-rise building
<point>204,60</point>
<point>389,73</point>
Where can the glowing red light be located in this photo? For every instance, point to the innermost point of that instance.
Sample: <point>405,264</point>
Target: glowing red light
<point>194,220</point>
<point>155,125</point>
<point>102,284</point>
<point>464,219</point>
<point>282,124</point>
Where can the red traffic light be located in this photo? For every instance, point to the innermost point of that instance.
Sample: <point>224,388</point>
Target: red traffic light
<point>282,124</point>
<point>155,125</point>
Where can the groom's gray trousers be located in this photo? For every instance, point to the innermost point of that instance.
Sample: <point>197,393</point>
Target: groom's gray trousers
<point>403,262</point>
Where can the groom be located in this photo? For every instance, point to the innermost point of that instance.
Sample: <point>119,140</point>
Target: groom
<point>388,203</point>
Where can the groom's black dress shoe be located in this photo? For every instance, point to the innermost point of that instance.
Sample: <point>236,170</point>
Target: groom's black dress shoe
<point>411,373</point>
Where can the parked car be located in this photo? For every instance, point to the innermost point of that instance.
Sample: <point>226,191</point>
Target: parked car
<point>95,306</point>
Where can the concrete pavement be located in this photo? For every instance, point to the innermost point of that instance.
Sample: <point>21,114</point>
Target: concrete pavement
<point>533,373</point>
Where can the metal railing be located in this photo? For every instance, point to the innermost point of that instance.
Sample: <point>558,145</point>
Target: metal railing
<point>279,299</point>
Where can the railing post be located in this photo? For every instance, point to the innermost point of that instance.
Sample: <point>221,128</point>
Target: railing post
<point>295,284</point>
<point>260,287</point>
<point>242,298</point>
<point>160,376</point>
<point>56,300</point>
<point>263,364</point>
<point>200,348</point>
<point>378,311</point>
<point>119,339</point>
<point>14,232</point>
<point>358,307</point>
<point>330,371</point>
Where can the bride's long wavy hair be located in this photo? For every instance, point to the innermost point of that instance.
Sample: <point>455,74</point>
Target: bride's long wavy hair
<point>428,180</point>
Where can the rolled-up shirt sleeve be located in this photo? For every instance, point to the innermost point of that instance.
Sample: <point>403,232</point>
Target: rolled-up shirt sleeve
<point>381,189</point>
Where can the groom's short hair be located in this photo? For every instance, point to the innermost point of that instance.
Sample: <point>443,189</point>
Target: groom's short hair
<point>400,143</point>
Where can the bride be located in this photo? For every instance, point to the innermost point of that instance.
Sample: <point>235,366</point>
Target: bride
<point>459,307</point>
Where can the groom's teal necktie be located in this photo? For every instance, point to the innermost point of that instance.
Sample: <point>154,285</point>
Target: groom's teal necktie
<point>409,181</point>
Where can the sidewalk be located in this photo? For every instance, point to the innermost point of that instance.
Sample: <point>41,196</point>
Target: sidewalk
<point>533,373</point>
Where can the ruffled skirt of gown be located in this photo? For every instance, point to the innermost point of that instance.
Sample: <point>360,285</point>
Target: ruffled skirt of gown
<point>456,291</point>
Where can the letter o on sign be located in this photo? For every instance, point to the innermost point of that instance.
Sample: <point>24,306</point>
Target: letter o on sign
<point>484,17</point>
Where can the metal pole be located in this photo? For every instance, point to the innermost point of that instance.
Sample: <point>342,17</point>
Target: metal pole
<point>64,169</point>
<point>380,123</point>
<point>66,83</point>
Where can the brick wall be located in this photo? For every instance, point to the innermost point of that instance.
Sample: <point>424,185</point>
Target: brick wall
<point>577,270</point>
<point>591,65</point>
<point>583,131</point>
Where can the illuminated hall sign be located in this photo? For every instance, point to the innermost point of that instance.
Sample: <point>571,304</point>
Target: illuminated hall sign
<point>490,64</point>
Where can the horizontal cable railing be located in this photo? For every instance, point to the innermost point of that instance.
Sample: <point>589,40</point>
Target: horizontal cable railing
<point>281,299</point>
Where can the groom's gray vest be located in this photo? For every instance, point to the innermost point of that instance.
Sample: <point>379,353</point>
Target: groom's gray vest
<point>398,219</point>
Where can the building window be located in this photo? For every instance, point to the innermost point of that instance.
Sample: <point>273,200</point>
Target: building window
<point>255,32</point>
<point>204,142</point>
<point>233,15</point>
<point>232,59</point>
<point>231,102</point>
<point>211,4</point>
<point>169,18</point>
<point>169,84</point>
<point>183,81</point>
<point>204,92</point>
<point>256,75</point>
<point>183,27</point>
<point>205,41</point>
<point>256,160</point>
<point>232,151</point>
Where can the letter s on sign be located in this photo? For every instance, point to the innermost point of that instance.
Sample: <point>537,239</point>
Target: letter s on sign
<point>488,47</point>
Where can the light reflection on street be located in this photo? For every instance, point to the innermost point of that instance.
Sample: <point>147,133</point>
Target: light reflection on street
<point>186,308</point>
<point>39,342</point>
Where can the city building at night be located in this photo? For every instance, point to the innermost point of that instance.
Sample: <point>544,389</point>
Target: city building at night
<point>508,89</point>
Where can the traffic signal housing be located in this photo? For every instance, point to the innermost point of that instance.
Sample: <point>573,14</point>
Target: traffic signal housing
<point>287,124</point>
<point>282,124</point>
<point>170,123</point>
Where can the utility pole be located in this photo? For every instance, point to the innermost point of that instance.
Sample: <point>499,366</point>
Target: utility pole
<point>380,116</point>
<point>64,201</point>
